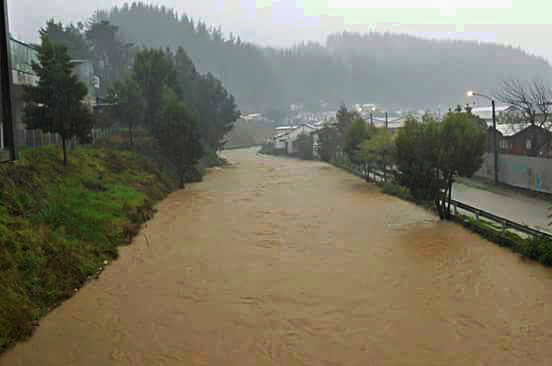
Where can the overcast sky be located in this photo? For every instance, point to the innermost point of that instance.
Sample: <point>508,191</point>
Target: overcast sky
<point>523,23</point>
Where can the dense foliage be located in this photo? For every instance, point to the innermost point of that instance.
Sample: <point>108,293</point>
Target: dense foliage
<point>430,154</point>
<point>56,103</point>
<point>378,68</point>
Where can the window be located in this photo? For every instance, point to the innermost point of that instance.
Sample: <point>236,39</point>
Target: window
<point>528,144</point>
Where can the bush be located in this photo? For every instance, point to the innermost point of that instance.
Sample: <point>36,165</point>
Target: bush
<point>397,190</point>
<point>539,249</point>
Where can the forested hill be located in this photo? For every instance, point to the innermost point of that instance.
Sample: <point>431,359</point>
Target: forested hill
<point>371,68</point>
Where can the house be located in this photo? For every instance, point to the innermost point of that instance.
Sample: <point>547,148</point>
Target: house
<point>521,139</point>
<point>393,124</point>
<point>22,57</point>
<point>486,113</point>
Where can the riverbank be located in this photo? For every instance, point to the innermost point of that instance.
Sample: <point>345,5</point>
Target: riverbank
<point>60,226</point>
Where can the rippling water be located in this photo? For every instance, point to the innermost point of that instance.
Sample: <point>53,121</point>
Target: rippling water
<point>283,262</point>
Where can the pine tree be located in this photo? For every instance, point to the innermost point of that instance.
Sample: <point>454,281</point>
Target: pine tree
<point>56,104</point>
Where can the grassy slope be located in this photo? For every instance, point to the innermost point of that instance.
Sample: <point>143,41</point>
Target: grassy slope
<point>58,226</point>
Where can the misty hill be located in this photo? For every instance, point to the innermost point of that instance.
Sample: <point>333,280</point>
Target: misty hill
<point>389,69</point>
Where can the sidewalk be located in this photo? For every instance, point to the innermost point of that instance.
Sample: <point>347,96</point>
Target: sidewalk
<point>524,208</point>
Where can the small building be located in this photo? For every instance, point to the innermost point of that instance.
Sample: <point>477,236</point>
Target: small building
<point>486,113</point>
<point>521,139</point>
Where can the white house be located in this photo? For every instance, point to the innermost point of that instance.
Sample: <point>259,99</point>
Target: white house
<point>486,113</point>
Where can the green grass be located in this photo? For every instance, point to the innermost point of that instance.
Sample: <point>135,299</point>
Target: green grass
<point>536,248</point>
<point>58,225</point>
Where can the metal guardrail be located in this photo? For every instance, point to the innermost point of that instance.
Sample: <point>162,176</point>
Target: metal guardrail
<point>504,222</point>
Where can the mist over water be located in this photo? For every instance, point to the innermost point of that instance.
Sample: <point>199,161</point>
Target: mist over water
<point>276,261</point>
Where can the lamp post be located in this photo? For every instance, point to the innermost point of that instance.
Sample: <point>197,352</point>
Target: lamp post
<point>495,146</point>
<point>372,115</point>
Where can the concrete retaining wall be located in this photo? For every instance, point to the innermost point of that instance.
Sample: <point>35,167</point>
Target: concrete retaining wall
<point>520,171</point>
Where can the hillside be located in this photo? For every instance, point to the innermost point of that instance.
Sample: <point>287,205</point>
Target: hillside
<point>380,68</point>
<point>249,133</point>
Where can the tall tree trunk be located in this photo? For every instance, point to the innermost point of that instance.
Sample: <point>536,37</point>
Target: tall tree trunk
<point>449,197</point>
<point>64,147</point>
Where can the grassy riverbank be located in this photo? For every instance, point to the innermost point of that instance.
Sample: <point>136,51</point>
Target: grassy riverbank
<point>59,226</point>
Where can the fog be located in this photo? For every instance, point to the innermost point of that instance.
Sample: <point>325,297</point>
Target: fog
<point>283,23</point>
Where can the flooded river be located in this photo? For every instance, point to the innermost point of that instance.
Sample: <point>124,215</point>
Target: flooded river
<point>284,262</point>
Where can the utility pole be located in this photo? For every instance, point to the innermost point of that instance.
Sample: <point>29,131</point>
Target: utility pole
<point>472,93</point>
<point>8,118</point>
<point>384,164</point>
<point>495,145</point>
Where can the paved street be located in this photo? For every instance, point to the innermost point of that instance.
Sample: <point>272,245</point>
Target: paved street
<point>509,204</point>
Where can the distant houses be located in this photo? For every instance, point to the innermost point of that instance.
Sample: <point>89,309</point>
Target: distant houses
<point>284,141</point>
<point>516,138</point>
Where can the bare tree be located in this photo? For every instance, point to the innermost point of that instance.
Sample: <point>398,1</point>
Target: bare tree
<point>532,103</point>
<point>531,99</point>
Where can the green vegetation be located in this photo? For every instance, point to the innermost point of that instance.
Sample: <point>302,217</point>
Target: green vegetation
<point>56,103</point>
<point>58,225</point>
<point>178,135</point>
<point>347,65</point>
<point>378,150</point>
<point>397,190</point>
<point>431,154</point>
<point>304,144</point>
<point>536,248</point>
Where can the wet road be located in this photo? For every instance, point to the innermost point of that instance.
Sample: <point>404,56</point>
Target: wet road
<point>285,262</point>
<point>525,210</point>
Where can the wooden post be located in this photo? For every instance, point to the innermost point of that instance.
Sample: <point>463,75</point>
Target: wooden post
<point>477,215</point>
<point>455,209</point>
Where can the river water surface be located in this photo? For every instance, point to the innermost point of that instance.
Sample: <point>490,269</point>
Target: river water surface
<point>284,262</point>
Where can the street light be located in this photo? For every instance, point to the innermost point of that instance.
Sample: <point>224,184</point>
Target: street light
<point>372,110</point>
<point>471,93</point>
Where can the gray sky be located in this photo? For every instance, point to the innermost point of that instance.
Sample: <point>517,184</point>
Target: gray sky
<point>523,23</point>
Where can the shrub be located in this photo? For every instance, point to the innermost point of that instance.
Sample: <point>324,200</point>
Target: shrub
<point>397,190</point>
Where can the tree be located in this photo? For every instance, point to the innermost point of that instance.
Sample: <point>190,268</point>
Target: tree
<point>153,70</point>
<point>71,37</point>
<point>344,119</point>
<point>532,103</point>
<point>532,100</point>
<point>377,151</point>
<point>109,53</point>
<point>128,104</point>
<point>327,143</point>
<point>178,135</point>
<point>416,156</point>
<point>56,104</point>
<point>354,135</point>
<point>462,145</point>
<point>304,144</point>
<point>430,154</point>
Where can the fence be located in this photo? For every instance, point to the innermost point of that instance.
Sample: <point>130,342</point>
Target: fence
<point>503,222</point>
<point>37,138</point>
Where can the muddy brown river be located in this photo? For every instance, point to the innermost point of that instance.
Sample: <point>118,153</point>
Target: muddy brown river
<point>284,262</point>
